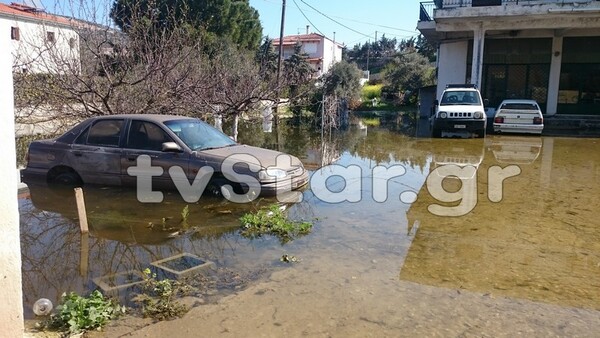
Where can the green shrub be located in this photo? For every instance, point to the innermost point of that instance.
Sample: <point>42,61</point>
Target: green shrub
<point>77,314</point>
<point>370,92</point>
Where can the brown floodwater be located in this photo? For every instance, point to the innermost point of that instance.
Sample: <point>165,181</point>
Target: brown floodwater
<point>522,256</point>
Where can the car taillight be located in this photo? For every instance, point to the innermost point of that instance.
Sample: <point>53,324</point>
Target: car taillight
<point>499,120</point>
<point>538,120</point>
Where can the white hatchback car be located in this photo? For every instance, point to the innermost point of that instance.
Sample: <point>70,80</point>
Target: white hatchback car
<point>519,116</point>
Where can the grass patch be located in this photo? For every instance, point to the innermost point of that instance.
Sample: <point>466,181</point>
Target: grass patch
<point>371,121</point>
<point>379,106</point>
<point>273,221</point>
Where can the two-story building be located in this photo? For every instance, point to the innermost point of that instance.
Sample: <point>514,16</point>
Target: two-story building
<point>322,52</point>
<point>547,50</point>
<point>40,42</point>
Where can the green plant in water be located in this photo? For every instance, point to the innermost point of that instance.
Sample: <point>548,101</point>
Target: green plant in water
<point>159,300</point>
<point>77,314</point>
<point>185,213</point>
<point>273,221</point>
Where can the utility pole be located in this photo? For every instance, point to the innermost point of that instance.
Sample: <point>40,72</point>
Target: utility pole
<point>279,65</point>
<point>368,53</point>
<point>375,36</point>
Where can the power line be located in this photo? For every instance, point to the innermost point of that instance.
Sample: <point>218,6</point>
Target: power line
<point>330,18</point>
<point>307,19</point>
<point>365,36</point>
<point>375,25</point>
<point>400,36</point>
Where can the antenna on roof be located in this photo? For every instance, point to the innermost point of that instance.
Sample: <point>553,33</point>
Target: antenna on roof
<point>30,5</point>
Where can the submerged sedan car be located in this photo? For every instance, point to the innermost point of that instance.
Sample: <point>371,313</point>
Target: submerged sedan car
<point>519,116</point>
<point>107,151</point>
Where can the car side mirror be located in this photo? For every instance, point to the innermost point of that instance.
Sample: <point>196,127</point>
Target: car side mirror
<point>486,102</point>
<point>171,147</point>
<point>436,103</point>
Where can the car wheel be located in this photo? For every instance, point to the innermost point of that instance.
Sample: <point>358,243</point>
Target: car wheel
<point>436,132</point>
<point>215,188</point>
<point>67,178</point>
<point>480,133</point>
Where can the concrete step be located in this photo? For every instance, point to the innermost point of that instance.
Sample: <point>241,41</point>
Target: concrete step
<point>572,122</point>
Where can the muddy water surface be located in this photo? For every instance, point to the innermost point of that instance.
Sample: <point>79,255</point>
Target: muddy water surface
<point>528,263</point>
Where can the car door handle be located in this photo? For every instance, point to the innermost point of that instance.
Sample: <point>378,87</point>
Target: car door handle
<point>77,153</point>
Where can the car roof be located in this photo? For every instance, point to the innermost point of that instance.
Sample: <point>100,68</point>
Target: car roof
<point>519,101</point>
<point>463,89</point>
<point>145,117</point>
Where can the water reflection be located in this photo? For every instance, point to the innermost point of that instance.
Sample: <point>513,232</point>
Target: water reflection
<point>540,242</point>
<point>124,235</point>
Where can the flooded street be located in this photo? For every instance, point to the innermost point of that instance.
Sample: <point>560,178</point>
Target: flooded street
<point>522,256</point>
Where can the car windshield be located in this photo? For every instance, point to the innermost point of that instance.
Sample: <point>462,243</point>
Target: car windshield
<point>519,106</point>
<point>457,97</point>
<point>198,135</point>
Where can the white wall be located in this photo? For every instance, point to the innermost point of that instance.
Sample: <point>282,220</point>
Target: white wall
<point>32,51</point>
<point>11,294</point>
<point>452,67</point>
<point>326,49</point>
<point>332,53</point>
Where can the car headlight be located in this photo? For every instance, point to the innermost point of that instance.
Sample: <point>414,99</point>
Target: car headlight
<point>477,115</point>
<point>443,115</point>
<point>270,174</point>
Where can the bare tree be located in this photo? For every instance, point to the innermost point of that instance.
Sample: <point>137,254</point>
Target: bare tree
<point>150,68</point>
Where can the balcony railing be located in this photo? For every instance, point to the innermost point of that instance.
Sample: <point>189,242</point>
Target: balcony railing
<point>426,13</point>
<point>428,7</point>
<point>480,3</point>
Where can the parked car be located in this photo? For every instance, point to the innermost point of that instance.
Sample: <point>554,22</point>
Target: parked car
<point>519,116</point>
<point>100,150</point>
<point>460,109</point>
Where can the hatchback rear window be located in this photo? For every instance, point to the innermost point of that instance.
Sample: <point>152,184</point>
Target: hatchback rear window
<point>519,106</point>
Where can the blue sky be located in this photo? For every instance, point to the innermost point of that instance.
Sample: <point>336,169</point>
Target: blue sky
<point>353,21</point>
<point>357,20</point>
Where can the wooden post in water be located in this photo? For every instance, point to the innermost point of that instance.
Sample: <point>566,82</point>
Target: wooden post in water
<point>84,254</point>
<point>83,224</point>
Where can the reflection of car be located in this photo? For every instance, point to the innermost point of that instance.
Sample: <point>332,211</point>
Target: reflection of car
<point>460,109</point>
<point>462,155</point>
<point>519,116</point>
<point>516,149</point>
<point>100,150</point>
<point>116,214</point>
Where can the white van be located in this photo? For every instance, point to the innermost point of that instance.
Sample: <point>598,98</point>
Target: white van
<point>459,110</point>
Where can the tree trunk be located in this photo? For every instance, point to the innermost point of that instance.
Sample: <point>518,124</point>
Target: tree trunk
<point>234,128</point>
<point>219,122</point>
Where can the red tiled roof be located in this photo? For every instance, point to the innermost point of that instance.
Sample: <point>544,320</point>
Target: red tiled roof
<point>293,39</point>
<point>21,11</point>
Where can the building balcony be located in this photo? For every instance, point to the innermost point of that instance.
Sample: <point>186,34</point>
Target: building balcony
<point>431,10</point>
<point>453,15</point>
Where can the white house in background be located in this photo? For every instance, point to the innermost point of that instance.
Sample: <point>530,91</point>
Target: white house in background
<point>38,39</point>
<point>322,52</point>
<point>547,50</point>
